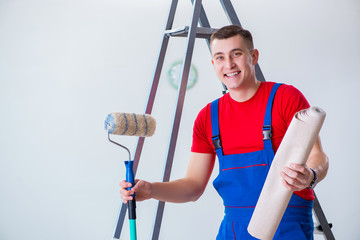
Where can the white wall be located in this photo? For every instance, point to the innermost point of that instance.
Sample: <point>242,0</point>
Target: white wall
<point>65,64</point>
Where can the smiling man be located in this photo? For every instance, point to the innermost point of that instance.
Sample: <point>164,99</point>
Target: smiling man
<point>234,59</point>
<point>231,127</point>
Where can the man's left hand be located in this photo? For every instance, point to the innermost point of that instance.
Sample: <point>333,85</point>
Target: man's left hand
<point>297,177</point>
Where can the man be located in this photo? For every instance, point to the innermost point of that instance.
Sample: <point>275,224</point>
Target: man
<point>232,127</point>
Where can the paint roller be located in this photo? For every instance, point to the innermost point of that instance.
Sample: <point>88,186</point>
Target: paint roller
<point>130,124</point>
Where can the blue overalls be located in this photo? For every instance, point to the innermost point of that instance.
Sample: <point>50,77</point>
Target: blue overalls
<point>239,183</point>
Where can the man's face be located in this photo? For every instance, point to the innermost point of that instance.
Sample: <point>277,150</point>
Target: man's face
<point>234,62</point>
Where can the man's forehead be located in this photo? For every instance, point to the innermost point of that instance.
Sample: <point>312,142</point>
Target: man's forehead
<point>228,44</point>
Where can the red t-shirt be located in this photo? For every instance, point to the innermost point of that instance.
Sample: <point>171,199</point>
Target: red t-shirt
<point>241,123</point>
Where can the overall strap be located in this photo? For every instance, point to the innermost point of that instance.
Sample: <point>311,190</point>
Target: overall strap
<point>267,119</point>
<point>215,127</point>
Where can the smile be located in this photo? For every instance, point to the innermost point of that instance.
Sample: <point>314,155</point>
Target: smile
<point>232,74</point>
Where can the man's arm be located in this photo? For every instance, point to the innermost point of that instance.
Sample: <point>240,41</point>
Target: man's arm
<point>188,188</point>
<point>297,177</point>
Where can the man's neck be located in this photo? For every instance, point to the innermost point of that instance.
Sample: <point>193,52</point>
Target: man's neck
<point>245,93</point>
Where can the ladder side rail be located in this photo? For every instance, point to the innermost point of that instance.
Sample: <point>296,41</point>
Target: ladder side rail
<point>230,12</point>
<point>204,22</point>
<point>320,216</point>
<point>156,77</point>
<point>259,74</point>
<point>178,112</point>
<point>148,109</point>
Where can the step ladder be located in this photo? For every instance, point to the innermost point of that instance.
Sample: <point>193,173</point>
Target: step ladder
<point>191,33</point>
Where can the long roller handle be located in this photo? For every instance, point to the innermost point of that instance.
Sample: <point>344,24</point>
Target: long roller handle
<point>131,204</point>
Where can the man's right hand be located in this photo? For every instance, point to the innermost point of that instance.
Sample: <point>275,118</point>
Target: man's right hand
<point>142,190</point>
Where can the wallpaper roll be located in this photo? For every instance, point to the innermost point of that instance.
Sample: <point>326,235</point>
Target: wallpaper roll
<point>294,148</point>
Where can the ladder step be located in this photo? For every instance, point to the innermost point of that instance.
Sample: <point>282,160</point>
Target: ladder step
<point>201,32</point>
<point>319,230</point>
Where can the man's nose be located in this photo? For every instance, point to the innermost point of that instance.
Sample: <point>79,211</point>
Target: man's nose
<point>229,63</point>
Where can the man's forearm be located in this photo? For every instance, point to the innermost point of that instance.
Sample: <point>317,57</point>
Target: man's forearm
<point>177,191</point>
<point>318,160</point>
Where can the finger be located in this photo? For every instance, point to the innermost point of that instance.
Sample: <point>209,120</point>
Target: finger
<point>124,192</point>
<point>291,183</point>
<point>292,173</point>
<point>298,167</point>
<point>301,172</point>
<point>138,185</point>
<point>126,195</point>
<point>290,187</point>
<point>125,184</point>
<point>286,185</point>
<point>288,179</point>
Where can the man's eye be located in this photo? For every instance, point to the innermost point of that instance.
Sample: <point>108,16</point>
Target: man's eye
<point>237,54</point>
<point>219,58</point>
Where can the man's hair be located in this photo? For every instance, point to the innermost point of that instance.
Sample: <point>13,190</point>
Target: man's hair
<point>231,31</point>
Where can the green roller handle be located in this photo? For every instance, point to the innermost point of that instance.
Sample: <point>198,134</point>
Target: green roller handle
<point>132,224</point>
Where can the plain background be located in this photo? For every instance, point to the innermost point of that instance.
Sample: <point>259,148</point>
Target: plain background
<point>66,64</point>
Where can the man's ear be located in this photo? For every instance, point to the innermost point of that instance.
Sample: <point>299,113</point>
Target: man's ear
<point>255,56</point>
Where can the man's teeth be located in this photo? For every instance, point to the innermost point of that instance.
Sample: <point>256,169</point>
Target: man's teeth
<point>232,74</point>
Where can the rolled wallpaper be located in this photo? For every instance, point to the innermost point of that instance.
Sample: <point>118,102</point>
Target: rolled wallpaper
<point>294,148</point>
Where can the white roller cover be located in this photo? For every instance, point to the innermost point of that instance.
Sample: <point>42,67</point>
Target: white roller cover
<point>294,148</point>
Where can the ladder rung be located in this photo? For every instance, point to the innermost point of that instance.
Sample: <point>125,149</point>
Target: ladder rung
<point>201,32</point>
<point>319,230</point>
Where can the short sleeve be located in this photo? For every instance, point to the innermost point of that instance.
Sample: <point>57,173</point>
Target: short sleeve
<point>201,142</point>
<point>291,101</point>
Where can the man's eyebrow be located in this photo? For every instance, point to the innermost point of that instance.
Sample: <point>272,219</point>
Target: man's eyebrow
<point>238,49</point>
<point>233,50</point>
<point>218,53</point>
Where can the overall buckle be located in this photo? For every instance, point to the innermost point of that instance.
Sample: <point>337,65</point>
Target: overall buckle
<point>267,132</point>
<point>217,142</point>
